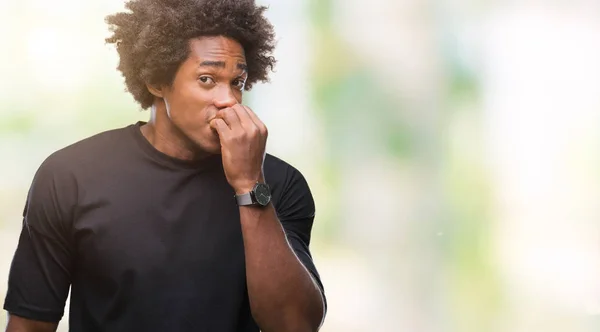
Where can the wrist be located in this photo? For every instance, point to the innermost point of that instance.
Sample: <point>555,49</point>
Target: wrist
<point>258,195</point>
<point>246,186</point>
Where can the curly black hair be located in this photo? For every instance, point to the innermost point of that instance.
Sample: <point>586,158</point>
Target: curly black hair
<point>152,39</point>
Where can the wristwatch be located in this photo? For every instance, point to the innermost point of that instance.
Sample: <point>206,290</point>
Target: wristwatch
<point>260,196</point>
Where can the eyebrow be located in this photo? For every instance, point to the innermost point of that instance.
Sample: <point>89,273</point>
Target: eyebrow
<point>221,64</point>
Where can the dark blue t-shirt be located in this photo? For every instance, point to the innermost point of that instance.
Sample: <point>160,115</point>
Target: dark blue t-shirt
<point>146,242</point>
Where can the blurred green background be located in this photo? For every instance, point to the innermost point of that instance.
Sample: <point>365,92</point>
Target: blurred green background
<point>453,148</point>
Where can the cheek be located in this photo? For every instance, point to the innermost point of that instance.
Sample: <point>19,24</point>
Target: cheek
<point>192,104</point>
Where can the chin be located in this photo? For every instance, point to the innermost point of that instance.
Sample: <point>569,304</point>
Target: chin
<point>207,144</point>
<point>214,150</point>
<point>212,147</point>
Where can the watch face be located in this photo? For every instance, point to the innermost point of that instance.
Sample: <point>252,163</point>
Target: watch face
<point>262,193</point>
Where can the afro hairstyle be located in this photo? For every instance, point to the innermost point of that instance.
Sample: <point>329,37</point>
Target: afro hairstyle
<point>152,38</point>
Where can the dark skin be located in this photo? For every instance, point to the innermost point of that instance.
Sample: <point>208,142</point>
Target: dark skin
<point>201,115</point>
<point>19,324</point>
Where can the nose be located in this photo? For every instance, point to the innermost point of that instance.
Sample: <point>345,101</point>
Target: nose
<point>224,97</point>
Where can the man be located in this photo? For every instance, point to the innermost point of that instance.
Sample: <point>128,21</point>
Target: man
<point>182,223</point>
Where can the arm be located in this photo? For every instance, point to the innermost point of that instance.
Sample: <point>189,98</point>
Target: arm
<point>40,272</point>
<point>19,324</point>
<point>283,295</point>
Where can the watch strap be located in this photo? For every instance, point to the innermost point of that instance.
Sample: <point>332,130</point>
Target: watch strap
<point>244,199</point>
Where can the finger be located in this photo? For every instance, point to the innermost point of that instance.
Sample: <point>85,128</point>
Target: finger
<point>230,117</point>
<point>261,126</point>
<point>244,117</point>
<point>220,126</point>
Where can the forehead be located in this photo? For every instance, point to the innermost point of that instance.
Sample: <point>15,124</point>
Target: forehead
<point>216,48</point>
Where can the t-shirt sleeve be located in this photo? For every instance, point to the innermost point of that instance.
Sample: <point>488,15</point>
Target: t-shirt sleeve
<point>296,211</point>
<point>40,273</point>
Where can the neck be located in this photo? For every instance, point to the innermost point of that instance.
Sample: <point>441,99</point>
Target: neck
<point>168,139</point>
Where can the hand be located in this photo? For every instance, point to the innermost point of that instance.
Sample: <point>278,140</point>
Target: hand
<point>243,139</point>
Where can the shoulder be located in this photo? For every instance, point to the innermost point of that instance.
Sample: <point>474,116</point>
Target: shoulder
<point>88,149</point>
<point>291,192</point>
<point>282,175</point>
<point>55,184</point>
<point>86,156</point>
<point>275,166</point>
<point>60,168</point>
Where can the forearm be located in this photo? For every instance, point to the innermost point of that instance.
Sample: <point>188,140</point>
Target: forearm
<point>283,295</point>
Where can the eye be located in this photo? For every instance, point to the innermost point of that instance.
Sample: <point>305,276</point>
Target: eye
<point>206,80</point>
<point>239,84</point>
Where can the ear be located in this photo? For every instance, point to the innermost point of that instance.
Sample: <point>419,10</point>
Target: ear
<point>155,90</point>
